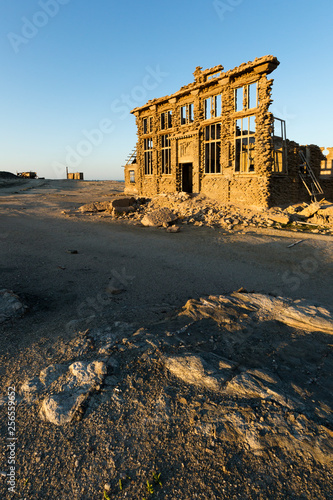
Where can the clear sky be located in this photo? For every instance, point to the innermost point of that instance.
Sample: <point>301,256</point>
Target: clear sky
<point>71,71</point>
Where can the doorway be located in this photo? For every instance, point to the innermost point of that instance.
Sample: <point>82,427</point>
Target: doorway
<point>187,177</point>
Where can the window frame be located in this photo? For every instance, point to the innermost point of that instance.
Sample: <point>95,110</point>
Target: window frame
<point>166,119</point>
<point>147,124</point>
<point>132,176</point>
<point>244,104</point>
<point>187,113</point>
<point>148,155</point>
<point>245,139</point>
<point>215,104</point>
<point>212,151</point>
<point>165,154</point>
<point>279,147</point>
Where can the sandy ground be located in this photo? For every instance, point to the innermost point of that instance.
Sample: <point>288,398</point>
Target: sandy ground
<point>67,269</point>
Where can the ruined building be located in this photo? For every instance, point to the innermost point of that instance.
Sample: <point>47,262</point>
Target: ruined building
<point>216,136</point>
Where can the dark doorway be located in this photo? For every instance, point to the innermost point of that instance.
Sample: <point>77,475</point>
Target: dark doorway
<point>187,177</point>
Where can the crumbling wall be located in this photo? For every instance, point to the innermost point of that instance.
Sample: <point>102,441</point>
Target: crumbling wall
<point>242,190</point>
<point>289,188</point>
<point>216,187</point>
<point>249,190</point>
<point>131,187</point>
<point>264,128</point>
<point>327,185</point>
<point>167,184</point>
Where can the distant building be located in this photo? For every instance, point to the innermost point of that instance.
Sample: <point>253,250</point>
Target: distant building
<point>75,176</point>
<point>27,175</point>
<point>216,136</point>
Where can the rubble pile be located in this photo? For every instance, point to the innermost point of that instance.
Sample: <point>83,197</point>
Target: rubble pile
<point>186,209</point>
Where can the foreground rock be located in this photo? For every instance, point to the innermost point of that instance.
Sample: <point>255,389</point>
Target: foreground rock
<point>69,387</point>
<point>10,305</point>
<point>159,217</point>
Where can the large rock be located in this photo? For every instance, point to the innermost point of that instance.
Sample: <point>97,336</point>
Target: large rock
<point>298,313</point>
<point>258,384</point>
<point>234,311</point>
<point>279,218</point>
<point>59,409</point>
<point>123,202</point>
<point>206,371</point>
<point>309,210</point>
<point>10,305</point>
<point>65,388</point>
<point>326,212</point>
<point>159,217</point>
<point>122,210</point>
<point>96,206</point>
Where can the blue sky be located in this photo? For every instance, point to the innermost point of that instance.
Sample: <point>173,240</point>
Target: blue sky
<point>73,69</point>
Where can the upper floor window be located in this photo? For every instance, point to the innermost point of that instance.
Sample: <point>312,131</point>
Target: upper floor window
<point>213,106</point>
<point>246,97</point>
<point>147,125</point>
<point>187,114</point>
<point>166,120</point>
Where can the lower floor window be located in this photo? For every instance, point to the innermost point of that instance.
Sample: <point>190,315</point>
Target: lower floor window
<point>132,175</point>
<point>279,146</point>
<point>148,155</point>
<point>245,144</point>
<point>166,154</point>
<point>213,149</point>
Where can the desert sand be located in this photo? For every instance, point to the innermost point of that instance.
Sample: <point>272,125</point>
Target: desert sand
<point>134,358</point>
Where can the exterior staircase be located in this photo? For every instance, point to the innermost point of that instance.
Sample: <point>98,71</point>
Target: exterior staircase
<point>308,178</point>
<point>131,157</point>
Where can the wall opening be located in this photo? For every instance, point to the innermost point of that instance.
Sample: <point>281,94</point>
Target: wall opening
<point>166,154</point>
<point>187,177</point>
<point>213,149</point>
<point>245,144</point>
<point>148,155</point>
<point>279,146</point>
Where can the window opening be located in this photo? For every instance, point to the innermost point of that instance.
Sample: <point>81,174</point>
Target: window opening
<point>252,101</point>
<point>166,120</point>
<point>187,114</point>
<point>213,149</point>
<point>213,107</point>
<point>166,154</point>
<point>132,175</point>
<point>148,155</point>
<point>239,99</point>
<point>245,144</point>
<point>246,97</point>
<point>147,125</point>
<point>279,146</point>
